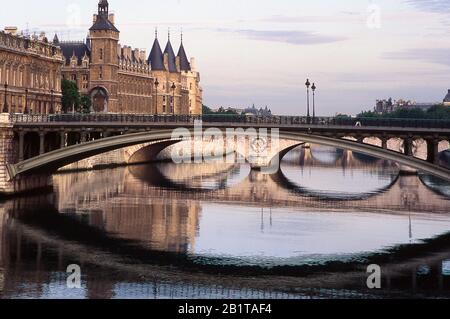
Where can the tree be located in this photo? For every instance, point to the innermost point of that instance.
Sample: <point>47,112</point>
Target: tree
<point>85,104</point>
<point>207,110</point>
<point>70,96</point>
<point>368,114</point>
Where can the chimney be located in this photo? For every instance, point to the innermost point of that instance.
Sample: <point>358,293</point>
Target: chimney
<point>166,61</point>
<point>11,30</point>
<point>136,53</point>
<point>177,63</point>
<point>112,18</point>
<point>143,55</point>
<point>129,52</point>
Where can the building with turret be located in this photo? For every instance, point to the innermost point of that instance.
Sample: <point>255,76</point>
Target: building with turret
<point>120,79</point>
<point>447,99</point>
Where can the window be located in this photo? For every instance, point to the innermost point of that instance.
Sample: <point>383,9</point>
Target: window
<point>74,77</point>
<point>100,74</point>
<point>101,54</point>
<point>190,86</point>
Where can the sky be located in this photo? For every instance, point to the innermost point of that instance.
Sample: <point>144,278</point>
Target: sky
<point>261,52</point>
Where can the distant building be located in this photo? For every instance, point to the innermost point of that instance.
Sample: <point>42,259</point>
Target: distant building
<point>389,106</point>
<point>261,112</point>
<point>447,99</point>
<point>384,106</point>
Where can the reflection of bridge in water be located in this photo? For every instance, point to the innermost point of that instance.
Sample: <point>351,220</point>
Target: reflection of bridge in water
<point>113,268</point>
<point>145,184</point>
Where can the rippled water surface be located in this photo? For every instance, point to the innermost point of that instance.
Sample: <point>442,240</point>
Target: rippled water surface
<point>223,231</point>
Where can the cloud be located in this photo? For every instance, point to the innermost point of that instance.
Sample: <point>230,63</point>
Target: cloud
<point>439,6</point>
<point>432,55</point>
<point>291,37</point>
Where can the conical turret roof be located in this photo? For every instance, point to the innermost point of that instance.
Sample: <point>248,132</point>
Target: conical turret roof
<point>184,62</point>
<point>169,51</point>
<point>156,58</point>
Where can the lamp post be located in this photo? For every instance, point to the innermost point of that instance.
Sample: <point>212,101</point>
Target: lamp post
<point>25,111</point>
<point>173,98</point>
<point>5,105</point>
<point>313,88</point>
<point>308,84</point>
<point>156,98</point>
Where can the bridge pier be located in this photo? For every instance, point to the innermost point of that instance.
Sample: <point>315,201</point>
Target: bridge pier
<point>62,139</point>
<point>408,146</point>
<point>384,143</point>
<point>41,143</point>
<point>433,151</point>
<point>21,145</point>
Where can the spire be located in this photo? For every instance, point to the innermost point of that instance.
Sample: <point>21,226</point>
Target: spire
<point>103,8</point>
<point>102,22</point>
<point>169,51</point>
<point>56,40</point>
<point>184,62</point>
<point>156,58</point>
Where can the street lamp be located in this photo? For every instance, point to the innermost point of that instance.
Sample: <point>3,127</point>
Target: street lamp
<point>156,98</point>
<point>313,88</point>
<point>308,84</point>
<point>25,111</point>
<point>5,105</point>
<point>173,101</point>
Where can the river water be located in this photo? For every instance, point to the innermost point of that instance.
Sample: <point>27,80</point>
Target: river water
<point>223,231</point>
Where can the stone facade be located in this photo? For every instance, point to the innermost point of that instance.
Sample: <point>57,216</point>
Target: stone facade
<point>120,79</point>
<point>30,74</point>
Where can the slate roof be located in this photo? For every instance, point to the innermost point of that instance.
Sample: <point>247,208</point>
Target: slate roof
<point>102,23</point>
<point>184,62</point>
<point>56,40</point>
<point>169,51</point>
<point>156,58</point>
<point>77,48</point>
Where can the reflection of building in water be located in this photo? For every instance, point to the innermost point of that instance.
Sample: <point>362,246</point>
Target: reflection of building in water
<point>164,224</point>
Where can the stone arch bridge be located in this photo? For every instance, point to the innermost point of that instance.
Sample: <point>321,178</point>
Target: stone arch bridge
<point>35,146</point>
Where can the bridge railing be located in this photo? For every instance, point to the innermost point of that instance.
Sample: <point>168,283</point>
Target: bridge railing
<point>213,118</point>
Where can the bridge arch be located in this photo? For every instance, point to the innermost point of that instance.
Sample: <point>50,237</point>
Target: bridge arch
<point>56,159</point>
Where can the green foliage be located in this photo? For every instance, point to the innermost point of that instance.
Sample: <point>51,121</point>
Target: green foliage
<point>85,104</point>
<point>72,100</point>
<point>437,112</point>
<point>70,96</point>
<point>207,110</point>
<point>368,114</point>
<point>342,116</point>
